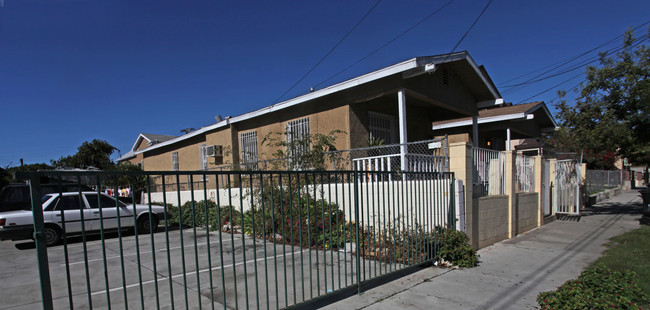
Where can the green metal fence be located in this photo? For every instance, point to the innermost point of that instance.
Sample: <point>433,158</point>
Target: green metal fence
<point>272,239</point>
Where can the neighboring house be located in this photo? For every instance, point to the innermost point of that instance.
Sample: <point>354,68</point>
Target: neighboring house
<point>504,127</point>
<point>396,104</point>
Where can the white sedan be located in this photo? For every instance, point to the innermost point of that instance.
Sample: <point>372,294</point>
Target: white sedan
<point>18,225</point>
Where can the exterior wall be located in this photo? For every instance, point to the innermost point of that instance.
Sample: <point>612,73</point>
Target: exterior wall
<point>527,211</point>
<point>188,156</point>
<point>142,145</point>
<point>493,219</point>
<point>321,120</point>
<point>221,137</point>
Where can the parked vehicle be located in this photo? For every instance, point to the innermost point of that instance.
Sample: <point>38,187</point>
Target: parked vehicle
<point>17,196</point>
<point>64,213</point>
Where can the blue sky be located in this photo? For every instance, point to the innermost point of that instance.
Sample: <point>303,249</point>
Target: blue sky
<point>76,70</point>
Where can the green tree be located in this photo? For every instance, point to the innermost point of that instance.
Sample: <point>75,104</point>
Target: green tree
<point>611,114</point>
<point>90,154</point>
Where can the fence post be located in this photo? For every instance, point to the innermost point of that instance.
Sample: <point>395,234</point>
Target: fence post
<point>539,187</point>
<point>460,163</point>
<point>510,191</point>
<point>39,239</point>
<point>356,228</point>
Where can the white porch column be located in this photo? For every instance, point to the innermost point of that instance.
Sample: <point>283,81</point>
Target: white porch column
<point>508,147</point>
<point>475,131</point>
<point>401,102</point>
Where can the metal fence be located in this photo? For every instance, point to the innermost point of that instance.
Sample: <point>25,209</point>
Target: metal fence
<point>525,173</point>
<point>420,156</point>
<point>489,172</point>
<point>268,239</point>
<point>598,180</point>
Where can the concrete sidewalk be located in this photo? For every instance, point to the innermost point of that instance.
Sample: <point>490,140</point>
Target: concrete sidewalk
<point>512,272</point>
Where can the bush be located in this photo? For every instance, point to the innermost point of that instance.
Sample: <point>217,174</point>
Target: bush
<point>597,288</point>
<point>455,248</point>
<point>195,217</point>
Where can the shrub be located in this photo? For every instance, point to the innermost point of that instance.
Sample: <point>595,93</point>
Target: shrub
<point>596,288</point>
<point>454,247</point>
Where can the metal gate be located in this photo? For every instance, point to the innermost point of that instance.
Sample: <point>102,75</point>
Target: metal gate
<point>271,239</point>
<point>566,192</point>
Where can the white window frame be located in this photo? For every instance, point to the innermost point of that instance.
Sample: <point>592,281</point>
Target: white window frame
<point>248,147</point>
<point>175,161</point>
<point>297,130</point>
<point>203,153</point>
<point>382,126</point>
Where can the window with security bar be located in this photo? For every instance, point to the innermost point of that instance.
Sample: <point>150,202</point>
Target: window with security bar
<point>297,140</point>
<point>175,161</point>
<point>382,128</point>
<point>248,147</point>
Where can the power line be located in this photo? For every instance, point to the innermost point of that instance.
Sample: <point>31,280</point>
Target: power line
<point>551,88</point>
<point>571,58</point>
<point>575,67</point>
<point>387,43</point>
<point>329,52</point>
<point>470,27</point>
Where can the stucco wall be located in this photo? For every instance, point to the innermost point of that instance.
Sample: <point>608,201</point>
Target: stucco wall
<point>493,219</point>
<point>526,211</point>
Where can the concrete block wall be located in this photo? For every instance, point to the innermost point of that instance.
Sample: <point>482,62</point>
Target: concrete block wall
<point>527,211</point>
<point>493,219</point>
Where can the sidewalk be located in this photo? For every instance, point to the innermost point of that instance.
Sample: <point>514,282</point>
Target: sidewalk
<point>512,272</point>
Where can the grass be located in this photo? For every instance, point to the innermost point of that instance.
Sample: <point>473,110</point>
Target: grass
<point>630,251</point>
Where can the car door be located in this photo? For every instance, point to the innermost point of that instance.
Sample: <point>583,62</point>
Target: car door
<point>109,212</point>
<point>71,208</point>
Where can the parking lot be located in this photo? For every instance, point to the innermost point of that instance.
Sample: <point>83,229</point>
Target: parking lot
<point>186,268</point>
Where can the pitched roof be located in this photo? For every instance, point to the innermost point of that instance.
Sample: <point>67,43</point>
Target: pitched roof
<point>497,114</point>
<point>414,65</point>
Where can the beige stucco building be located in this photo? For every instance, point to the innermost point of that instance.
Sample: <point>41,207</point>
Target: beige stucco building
<point>396,104</point>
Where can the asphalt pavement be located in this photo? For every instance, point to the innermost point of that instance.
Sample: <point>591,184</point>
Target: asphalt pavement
<point>513,272</point>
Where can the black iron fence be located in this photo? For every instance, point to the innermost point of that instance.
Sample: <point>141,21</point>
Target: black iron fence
<point>265,239</point>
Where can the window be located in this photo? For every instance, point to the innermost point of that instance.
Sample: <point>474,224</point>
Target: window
<point>382,127</point>
<point>175,161</point>
<point>297,138</point>
<point>68,203</point>
<point>203,152</point>
<point>105,201</point>
<point>248,147</point>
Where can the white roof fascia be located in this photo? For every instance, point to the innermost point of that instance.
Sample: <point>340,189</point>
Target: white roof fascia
<point>183,137</point>
<point>480,73</point>
<point>137,141</point>
<point>483,120</point>
<point>369,77</point>
<point>546,110</point>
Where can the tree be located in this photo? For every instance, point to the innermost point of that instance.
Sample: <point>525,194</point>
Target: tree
<point>95,154</point>
<point>612,112</point>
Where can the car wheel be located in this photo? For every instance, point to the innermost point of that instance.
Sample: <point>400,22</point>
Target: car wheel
<point>52,235</point>
<point>144,226</point>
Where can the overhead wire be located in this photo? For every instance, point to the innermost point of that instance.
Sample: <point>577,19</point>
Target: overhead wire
<point>639,42</point>
<point>563,63</point>
<point>329,52</point>
<point>387,43</point>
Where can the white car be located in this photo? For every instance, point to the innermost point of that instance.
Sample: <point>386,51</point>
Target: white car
<point>18,225</point>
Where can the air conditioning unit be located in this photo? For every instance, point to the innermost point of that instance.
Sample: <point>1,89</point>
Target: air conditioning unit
<point>214,150</point>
